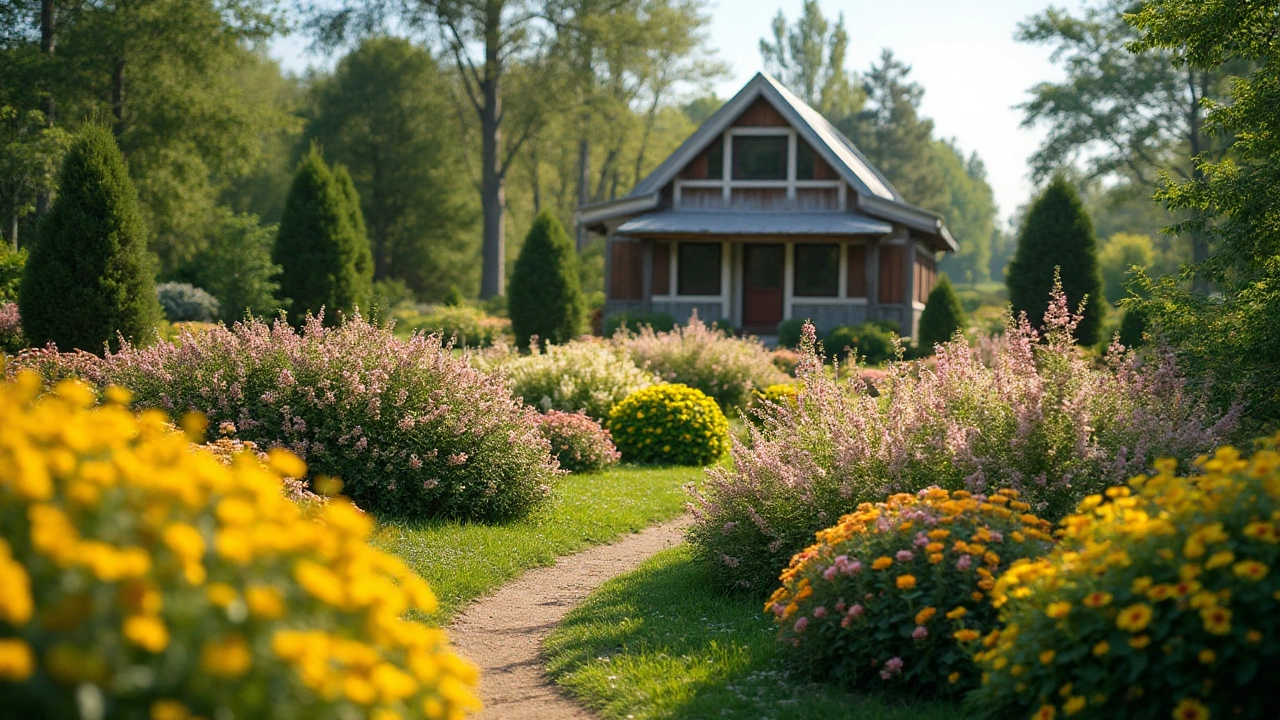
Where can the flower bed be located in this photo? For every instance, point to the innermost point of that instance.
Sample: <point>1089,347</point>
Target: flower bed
<point>1160,602</point>
<point>578,442</point>
<point>581,376</point>
<point>881,599</point>
<point>141,578</point>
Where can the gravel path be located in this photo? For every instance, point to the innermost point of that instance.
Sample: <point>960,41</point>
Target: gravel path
<point>503,633</point>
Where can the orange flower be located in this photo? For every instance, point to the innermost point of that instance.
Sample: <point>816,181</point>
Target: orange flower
<point>1046,712</point>
<point>1190,709</point>
<point>1217,620</point>
<point>906,582</point>
<point>1097,599</point>
<point>926,615</point>
<point>881,563</point>
<point>1250,569</point>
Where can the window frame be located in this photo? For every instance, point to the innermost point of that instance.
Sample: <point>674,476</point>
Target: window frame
<point>802,290</point>
<point>743,141</point>
<point>679,259</point>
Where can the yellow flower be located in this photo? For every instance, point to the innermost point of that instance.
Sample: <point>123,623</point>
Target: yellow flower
<point>1218,559</point>
<point>1190,709</point>
<point>147,632</point>
<point>1102,648</point>
<point>1058,610</point>
<point>1206,657</point>
<point>1047,656</point>
<point>17,663</point>
<point>1134,618</point>
<point>265,602</point>
<point>228,656</point>
<point>881,563</point>
<point>1217,620</point>
<point>221,594</point>
<point>1138,642</point>
<point>1141,585</point>
<point>169,710</point>
<point>1097,599</point>
<point>185,541</point>
<point>957,613</point>
<point>1250,569</point>
<point>927,614</point>
<point>906,582</point>
<point>1074,705</point>
<point>965,635</point>
<point>1253,637</point>
<point>1046,712</point>
<point>1264,531</point>
<point>953,678</point>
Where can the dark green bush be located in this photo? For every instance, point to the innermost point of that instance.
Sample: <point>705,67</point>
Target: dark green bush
<point>941,318</point>
<point>236,267</point>
<point>1132,327</point>
<point>669,424</point>
<point>321,246</point>
<point>870,340</point>
<point>660,322</point>
<point>11,264</point>
<point>545,298</point>
<point>789,333</point>
<point>89,280</point>
<point>454,297</point>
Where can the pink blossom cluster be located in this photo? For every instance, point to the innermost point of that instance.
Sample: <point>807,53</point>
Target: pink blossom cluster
<point>11,337</point>
<point>578,442</point>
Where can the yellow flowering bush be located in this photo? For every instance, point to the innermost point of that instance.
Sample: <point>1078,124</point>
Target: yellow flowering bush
<point>766,400</point>
<point>1159,602</point>
<point>882,598</point>
<point>669,424</point>
<point>142,578</point>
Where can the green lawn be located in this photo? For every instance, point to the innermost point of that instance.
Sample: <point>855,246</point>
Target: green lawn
<point>463,561</point>
<point>663,642</point>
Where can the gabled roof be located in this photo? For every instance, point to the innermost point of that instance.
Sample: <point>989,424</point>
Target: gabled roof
<point>875,195</point>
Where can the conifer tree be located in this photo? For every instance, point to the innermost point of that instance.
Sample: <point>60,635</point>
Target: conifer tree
<point>942,316</point>
<point>323,256</point>
<point>545,298</point>
<point>363,250</point>
<point>89,280</point>
<point>1058,233</point>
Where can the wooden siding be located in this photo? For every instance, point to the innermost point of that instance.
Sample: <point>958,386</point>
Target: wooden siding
<point>826,316</point>
<point>856,277</point>
<point>821,170</point>
<point>893,260</point>
<point>697,168</point>
<point>926,271</point>
<point>817,199</point>
<point>759,199</point>
<point>760,114</point>
<point>626,274</point>
<point>701,198</point>
<point>661,268</point>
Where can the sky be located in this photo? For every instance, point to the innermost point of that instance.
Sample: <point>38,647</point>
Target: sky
<point>962,53</point>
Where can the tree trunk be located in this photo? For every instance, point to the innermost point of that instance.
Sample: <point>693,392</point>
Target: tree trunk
<point>117,96</point>
<point>584,183</point>
<point>535,175</point>
<point>13,230</point>
<point>493,196</point>
<point>48,43</point>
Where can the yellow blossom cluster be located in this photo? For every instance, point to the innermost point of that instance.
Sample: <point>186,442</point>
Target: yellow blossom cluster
<point>670,424</point>
<point>1159,601</point>
<point>931,558</point>
<point>139,571</point>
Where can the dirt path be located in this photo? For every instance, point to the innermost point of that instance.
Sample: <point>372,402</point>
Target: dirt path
<point>503,633</point>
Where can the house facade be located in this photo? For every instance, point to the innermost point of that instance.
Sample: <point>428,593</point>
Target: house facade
<point>766,213</point>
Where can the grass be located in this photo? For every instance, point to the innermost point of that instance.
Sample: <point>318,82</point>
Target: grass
<point>664,642</point>
<point>463,561</point>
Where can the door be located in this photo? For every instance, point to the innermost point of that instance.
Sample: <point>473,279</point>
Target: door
<point>762,289</point>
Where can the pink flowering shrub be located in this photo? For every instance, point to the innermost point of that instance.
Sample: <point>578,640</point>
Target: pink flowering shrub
<point>411,430</point>
<point>578,442</point>
<point>1035,415</point>
<point>727,368</point>
<point>11,338</point>
<point>882,598</point>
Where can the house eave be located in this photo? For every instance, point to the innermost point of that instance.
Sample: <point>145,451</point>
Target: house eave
<point>912,217</point>
<point>596,214</point>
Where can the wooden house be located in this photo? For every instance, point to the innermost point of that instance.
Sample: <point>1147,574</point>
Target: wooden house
<point>768,212</point>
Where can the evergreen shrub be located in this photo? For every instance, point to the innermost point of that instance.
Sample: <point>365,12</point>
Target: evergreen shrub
<point>1162,600</point>
<point>881,599</point>
<point>789,333</point>
<point>89,280</point>
<point>669,425</point>
<point>142,578</point>
<point>236,267</point>
<point>183,302</point>
<point>871,341</point>
<point>545,299</point>
<point>635,321</point>
<point>578,442</point>
<point>941,318</point>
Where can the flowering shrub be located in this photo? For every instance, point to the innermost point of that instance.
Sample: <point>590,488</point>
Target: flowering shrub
<point>779,394</point>
<point>882,597</point>
<point>1160,602</point>
<point>466,326</point>
<point>785,360</point>
<point>669,424</point>
<point>578,442</point>
<point>581,376</point>
<point>724,367</point>
<point>411,429</point>
<point>1035,416</point>
<point>11,337</point>
<point>145,579</point>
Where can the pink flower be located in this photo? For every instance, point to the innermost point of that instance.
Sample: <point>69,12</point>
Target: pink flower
<point>921,540</point>
<point>856,610</point>
<point>414,462</point>
<point>830,573</point>
<point>820,612</point>
<point>779,609</point>
<point>840,606</point>
<point>894,665</point>
<point>905,556</point>
<point>920,633</point>
<point>801,624</point>
<point>964,562</point>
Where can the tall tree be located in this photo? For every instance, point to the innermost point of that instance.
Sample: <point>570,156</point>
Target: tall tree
<point>1057,239</point>
<point>546,301</point>
<point>379,115</point>
<point>808,57</point>
<point>89,281</point>
<point>30,151</point>
<point>970,213</point>
<point>1117,114</point>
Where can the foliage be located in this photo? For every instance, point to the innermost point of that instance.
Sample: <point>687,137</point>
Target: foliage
<point>971,213</point>
<point>1160,601</point>
<point>88,282</point>
<point>1120,254</point>
<point>1057,241</point>
<point>320,247</point>
<point>725,367</point>
<point>1133,328</point>
<point>869,341</point>
<point>785,360</point>
<point>1021,411</point>
<point>881,598</point>
<point>454,297</point>
<point>635,321</point>
<point>167,584</point>
<point>789,332</point>
<point>236,267</point>
<point>546,301</point>
<point>12,339</point>
<point>590,377</point>
<point>579,443</point>
<point>941,318</point>
<point>183,302</point>
<point>669,424</point>
<point>1231,335</point>
<point>776,395</point>
<point>462,324</point>
<point>11,265</point>
<point>411,429</point>
<point>809,58</point>
<point>30,152</point>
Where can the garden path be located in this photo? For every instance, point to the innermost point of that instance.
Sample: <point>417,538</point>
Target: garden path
<point>503,632</point>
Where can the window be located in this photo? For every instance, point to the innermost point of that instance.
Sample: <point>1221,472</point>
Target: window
<point>698,269</point>
<point>817,270</point>
<point>760,157</point>
<point>715,160</point>
<point>805,164</point>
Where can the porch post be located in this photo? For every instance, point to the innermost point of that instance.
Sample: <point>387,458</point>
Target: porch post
<point>646,288</point>
<point>873,278</point>
<point>608,265</point>
<point>910,329</point>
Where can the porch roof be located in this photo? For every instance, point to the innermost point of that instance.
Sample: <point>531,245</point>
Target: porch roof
<point>672,222</point>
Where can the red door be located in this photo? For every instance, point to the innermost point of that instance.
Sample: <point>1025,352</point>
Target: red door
<point>762,290</point>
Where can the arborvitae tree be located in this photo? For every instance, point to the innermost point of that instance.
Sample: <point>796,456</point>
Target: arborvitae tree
<point>942,316</point>
<point>364,253</point>
<point>544,298</point>
<point>89,280</point>
<point>1058,233</point>
<point>324,258</point>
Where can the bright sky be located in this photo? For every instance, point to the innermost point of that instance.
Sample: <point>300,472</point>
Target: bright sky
<point>961,51</point>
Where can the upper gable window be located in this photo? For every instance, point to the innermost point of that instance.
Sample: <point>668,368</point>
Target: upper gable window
<point>762,157</point>
<point>715,160</point>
